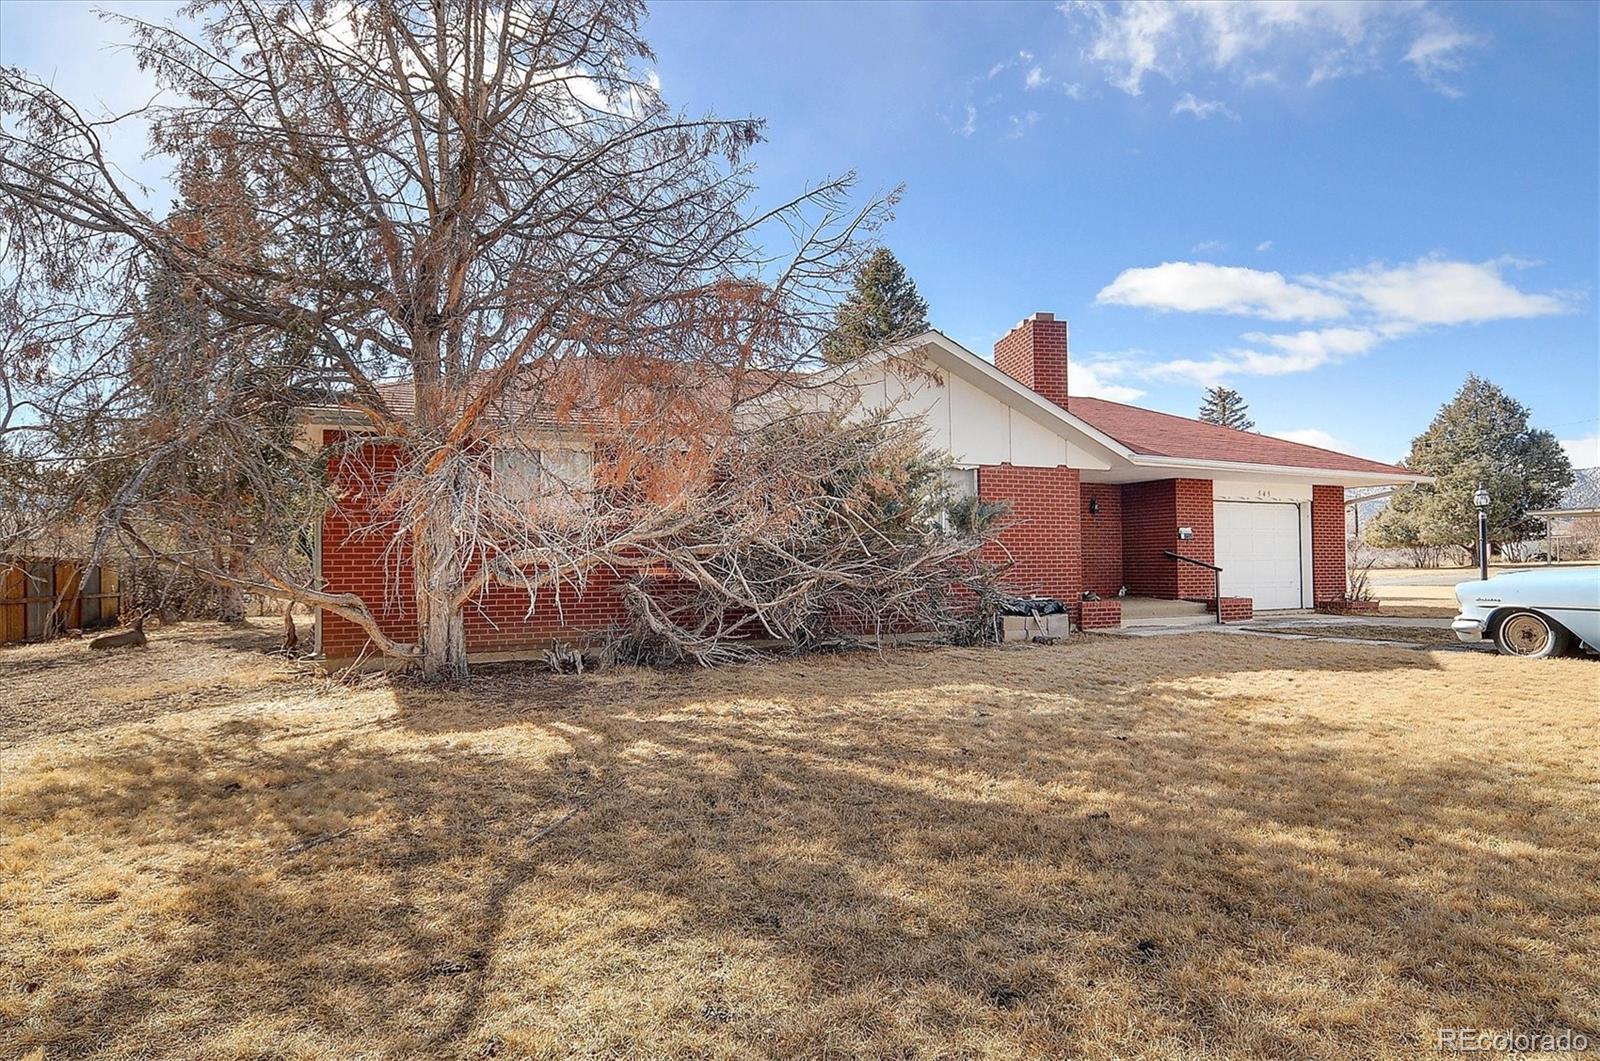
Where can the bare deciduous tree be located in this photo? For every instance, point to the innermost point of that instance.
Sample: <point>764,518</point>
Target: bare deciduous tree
<point>487,200</point>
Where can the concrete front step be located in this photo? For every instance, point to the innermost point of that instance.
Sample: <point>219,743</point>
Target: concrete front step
<point>1155,611</point>
<point>1203,619</point>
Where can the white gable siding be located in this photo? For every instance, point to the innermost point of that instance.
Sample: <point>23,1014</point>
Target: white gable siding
<point>975,427</point>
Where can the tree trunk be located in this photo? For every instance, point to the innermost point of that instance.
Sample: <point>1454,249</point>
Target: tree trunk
<point>230,604</point>
<point>230,599</point>
<point>440,626</point>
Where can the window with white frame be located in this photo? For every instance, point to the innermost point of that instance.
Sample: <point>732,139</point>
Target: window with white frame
<point>552,478</point>
<point>961,485</point>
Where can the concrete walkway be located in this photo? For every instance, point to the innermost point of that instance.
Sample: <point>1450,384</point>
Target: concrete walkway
<point>1304,626</point>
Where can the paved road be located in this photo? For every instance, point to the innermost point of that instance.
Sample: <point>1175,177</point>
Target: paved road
<point>1438,576</point>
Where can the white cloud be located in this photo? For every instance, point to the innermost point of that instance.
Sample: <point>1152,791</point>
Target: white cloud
<point>1202,109</point>
<point>1309,41</point>
<point>1434,291</point>
<point>1022,58</point>
<point>992,91</point>
<point>1089,379</point>
<point>1382,302</point>
<point>1201,287</point>
<point>1130,42</point>
<point>1583,452</point>
<point>1326,344</point>
<point>1019,124</point>
<point>1241,361</point>
<point>1264,245</point>
<point>1429,291</point>
<point>1437,53</point>
<point>1313,436</point>
<point>1208,246</point>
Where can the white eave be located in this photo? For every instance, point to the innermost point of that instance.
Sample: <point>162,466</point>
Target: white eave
<point>1180,467</point>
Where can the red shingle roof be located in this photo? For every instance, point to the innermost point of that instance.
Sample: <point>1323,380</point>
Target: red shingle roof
<point>1164,435</point>
<point>579,391</point>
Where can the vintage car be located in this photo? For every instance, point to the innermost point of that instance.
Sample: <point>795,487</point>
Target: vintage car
<point>1545,611</point>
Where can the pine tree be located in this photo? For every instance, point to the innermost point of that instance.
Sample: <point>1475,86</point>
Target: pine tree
<point>885,306</point>
<point>1224,406</point>
<point>1481,436</point>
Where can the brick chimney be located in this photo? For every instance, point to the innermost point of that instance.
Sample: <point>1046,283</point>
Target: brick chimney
<point>1034,353</point>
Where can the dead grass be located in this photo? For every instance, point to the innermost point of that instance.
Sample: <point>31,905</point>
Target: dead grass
<point>1418,611</point>
<point>1416,635</point>
<point>1197,846</point>
<point>1406,601</point>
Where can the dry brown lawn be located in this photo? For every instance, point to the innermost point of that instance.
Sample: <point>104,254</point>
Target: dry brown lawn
<point>1405,600</point>
<point>1417,635</point>
<point>1418,611</point>
<point>1196,846</point>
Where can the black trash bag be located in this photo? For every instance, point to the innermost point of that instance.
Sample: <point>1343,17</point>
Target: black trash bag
<point>1031,606</point>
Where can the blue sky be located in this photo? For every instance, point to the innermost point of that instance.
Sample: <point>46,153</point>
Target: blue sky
<point>1339,209</point>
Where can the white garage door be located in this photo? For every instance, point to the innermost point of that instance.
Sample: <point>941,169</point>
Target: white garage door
<point>1258,549</point>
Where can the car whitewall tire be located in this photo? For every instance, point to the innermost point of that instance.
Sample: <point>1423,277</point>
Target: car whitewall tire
<point>1530,635</point>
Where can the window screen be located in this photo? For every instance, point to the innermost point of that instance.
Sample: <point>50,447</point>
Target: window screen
<point>963,483</point>
<point>556,477</point>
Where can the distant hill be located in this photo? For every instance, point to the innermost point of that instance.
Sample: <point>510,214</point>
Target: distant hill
<point>1584,491</point>
<point>1367,509</point>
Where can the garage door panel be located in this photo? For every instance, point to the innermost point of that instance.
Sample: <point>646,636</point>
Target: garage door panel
<point>1258,549</point>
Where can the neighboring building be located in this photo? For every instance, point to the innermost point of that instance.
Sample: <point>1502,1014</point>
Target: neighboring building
<point>1361,504</point>
<point>1099,493</point>
<point>1572,527</point>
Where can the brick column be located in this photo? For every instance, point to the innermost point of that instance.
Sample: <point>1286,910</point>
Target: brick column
<point>1327,544</point>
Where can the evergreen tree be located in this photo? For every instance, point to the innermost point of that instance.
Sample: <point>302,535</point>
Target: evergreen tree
<point>1480,437</point>
<point>884,306</point>
<point>1224,406</point>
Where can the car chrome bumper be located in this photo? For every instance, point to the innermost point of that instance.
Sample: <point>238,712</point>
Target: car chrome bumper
<point>1468,629</point>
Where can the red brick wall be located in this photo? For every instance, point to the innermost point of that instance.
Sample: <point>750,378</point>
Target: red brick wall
<point>1102,538</point>
<point>354,561</point>
<point>1327,543</point>
<point>1101,614</point>
<point>1234,609</point>
<point>1152,512</point>
<point>500,620</point>
<point>497,620</point>
<point>1042,532</point>
<point>1195,509</point>
<point>1034,353</point>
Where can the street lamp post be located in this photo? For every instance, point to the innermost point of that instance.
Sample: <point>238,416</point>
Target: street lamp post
<point>1481,500</point>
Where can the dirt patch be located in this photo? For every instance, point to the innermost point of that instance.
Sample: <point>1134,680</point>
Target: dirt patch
<point>1109,848</point>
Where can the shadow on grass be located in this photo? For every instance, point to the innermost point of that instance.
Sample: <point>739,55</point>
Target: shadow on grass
<point>976,852</point>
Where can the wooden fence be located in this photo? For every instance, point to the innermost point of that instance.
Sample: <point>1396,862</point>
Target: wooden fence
<point>41,598</point>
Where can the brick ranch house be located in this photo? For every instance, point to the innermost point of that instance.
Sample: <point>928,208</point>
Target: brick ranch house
<point>1099,492</point>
